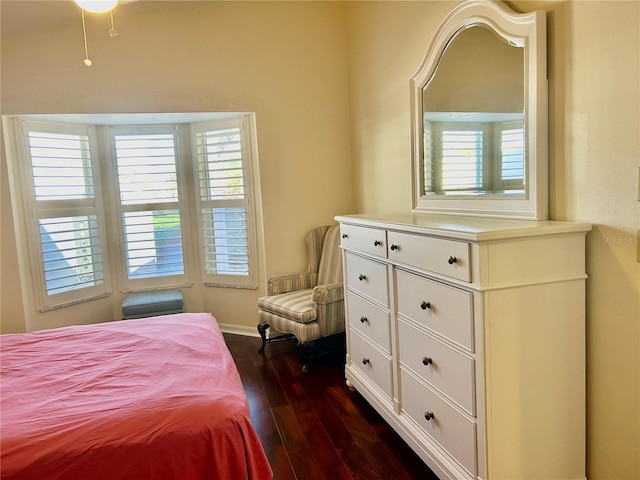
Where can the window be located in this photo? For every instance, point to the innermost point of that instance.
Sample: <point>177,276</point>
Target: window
<point>460,149</point>
<point>149,204</point>
<point>66,230</point>
<point>429,161</point>
<point>511,156</point>
<point>461,159</point>
<point>225,204</point>
<point>165,185</point>
<point>474,156</point>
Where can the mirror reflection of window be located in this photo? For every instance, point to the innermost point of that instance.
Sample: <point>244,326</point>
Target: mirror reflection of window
<point>459,150</point>
<point>511,156</point>
<point>474,153</point>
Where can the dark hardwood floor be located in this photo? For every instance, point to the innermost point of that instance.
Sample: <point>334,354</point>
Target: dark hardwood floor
<point>311,425</point>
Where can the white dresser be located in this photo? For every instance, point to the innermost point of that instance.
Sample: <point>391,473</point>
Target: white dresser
<point>467,334</point>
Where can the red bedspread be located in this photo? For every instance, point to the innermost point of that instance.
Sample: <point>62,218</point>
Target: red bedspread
<point>154,398</point>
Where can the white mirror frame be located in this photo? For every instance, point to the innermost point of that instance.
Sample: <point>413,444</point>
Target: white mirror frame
<point>526,30</point>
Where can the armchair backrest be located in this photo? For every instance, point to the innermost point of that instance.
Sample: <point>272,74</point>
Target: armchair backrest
<point>315,239</point>
<point>330,270</point>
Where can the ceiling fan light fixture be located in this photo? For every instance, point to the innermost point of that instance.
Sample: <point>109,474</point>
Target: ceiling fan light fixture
<point>97,6</point>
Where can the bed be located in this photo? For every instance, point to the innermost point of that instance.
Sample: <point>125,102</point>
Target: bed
<point>154,398</point>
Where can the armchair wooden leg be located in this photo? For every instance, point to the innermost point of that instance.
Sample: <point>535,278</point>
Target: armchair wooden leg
<point>305,355</point>
<point>262,330</point>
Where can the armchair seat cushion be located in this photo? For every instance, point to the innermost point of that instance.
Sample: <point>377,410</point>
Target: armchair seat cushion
<point>297,305</point>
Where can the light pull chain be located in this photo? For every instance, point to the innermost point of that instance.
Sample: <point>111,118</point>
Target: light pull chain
<point>87,60</point>
<point>112,31</point>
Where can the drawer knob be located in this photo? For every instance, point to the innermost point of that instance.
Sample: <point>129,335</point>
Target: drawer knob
<point>344,235</point>
<point>365,361</point>
<point>394,247</point>
<point>377,243</point>
<point>429,416</point>
<point>425,305</point>
<point>427,361</point>
<point>362,277</point>
<point>364,319</point>
<point>452,260</point>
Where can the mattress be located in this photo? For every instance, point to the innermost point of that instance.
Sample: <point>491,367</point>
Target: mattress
<point>153,398</point>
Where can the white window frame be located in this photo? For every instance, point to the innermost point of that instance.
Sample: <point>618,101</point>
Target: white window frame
<point>104,171</point>
<point>36,210</point>
<point>127,284</point>
<point>249,158</point>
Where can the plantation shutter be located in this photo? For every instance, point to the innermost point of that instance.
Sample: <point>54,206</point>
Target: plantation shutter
<point>461,159</point>
<point>67,231</point>
<point>429,164</point>
<point>512,156</point>
<point>223,163</point>
<point>149,207</point>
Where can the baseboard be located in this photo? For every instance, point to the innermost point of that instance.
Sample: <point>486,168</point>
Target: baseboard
<point>239,330</point>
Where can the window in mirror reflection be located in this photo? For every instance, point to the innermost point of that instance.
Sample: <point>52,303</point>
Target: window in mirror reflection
<point>512,157</point>
<point>472,157</point>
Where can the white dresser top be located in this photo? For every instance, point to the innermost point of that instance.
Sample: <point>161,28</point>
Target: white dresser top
<point>464,227</point>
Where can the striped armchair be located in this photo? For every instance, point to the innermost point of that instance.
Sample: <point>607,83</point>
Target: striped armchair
<point>309,305</point>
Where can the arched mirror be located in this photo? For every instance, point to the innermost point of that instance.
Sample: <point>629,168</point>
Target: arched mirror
<point>479,115</point>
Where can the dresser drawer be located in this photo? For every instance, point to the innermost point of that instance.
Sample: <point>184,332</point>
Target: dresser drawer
<point>441,366</point>
<point>372,362</point>
<point>443,309</point>
<point>367,277</point>
<point>451,429</point>
<point>370,320</point>
<point>446,257</point>
<point>364,239</point>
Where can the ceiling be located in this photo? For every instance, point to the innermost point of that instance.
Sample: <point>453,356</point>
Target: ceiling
<point>21,17</point>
